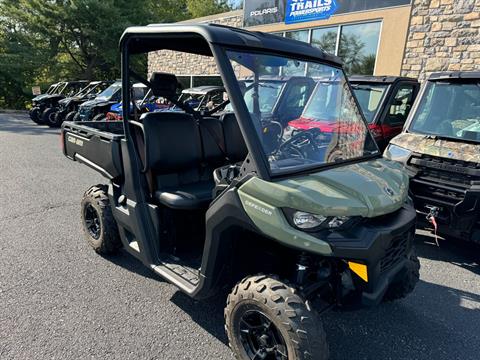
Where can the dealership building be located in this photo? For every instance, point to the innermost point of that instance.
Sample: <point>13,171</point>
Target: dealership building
<point>379,37</point>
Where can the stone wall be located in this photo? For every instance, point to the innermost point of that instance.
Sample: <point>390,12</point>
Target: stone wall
<point>444,35</point>
<point>190,64</point>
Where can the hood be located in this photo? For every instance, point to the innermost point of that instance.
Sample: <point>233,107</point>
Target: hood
<point>95,102</point>
<point>368,189</point>
<point>442,148</point>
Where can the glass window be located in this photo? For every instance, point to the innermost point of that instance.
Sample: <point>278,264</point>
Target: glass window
<point>113,91</point>
<point>449,109</point>
<point>325,39</point>
<point>184,82</point>
<point>295,68</point>
<point>358,47</point>
<point>300,35</point>
<point>330,128</point>
<point>400,105</point>
<point>369,97</point>
<point>207,80</point>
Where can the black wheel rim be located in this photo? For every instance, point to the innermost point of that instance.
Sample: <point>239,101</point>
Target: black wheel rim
<point>51,118</point>
<point>92,221</point>
<point>260,338</point>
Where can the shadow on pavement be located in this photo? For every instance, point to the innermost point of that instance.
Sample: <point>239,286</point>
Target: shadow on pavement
<point>132,264</point>
<point>21,124</point>
<point>432,327</point>
<point>456,252</point>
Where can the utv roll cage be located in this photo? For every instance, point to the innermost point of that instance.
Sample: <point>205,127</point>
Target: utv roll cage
<point>212,40</point>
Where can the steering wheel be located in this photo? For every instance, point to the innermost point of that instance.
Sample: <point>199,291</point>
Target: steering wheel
<point>298,142</point>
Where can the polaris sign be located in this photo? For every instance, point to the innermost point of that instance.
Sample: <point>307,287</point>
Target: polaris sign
<point>309,10</point>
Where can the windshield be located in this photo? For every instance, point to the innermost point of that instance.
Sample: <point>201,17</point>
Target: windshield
<point>369,97</point>
<point>111,91</point>
<point>72,88</point>
<point>449,109</point>
<point>330,129</point>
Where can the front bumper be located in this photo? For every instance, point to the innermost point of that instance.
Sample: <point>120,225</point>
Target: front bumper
<point>451,187</point>
<point>383,244</point>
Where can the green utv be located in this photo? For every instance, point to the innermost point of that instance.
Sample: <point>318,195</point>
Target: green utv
<point>440,148</point>
<point>216,200</point>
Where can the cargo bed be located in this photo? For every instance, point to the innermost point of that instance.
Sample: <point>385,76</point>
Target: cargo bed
<point>95,144</point>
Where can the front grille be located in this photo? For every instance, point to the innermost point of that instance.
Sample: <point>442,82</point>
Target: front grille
<point>442,181</point>
<point>396,251</point>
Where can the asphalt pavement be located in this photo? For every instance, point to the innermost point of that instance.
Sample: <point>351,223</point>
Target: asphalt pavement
<point>59,300</point>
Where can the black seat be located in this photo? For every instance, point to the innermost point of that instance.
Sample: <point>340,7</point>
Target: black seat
<point>173,151</point>
<point>235,147</point>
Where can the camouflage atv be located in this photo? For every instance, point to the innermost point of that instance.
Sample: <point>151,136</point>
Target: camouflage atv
<point>213,202</point>
<point>440,148</point>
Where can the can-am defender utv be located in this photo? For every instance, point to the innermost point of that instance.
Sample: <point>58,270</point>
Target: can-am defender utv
<point>68,107</point>
<point>440,147</point>
<point>386,102</point>
<point>212,203</point>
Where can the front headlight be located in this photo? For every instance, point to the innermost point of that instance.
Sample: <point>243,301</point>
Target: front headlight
<point>308,221</point>
<point>397,153</point>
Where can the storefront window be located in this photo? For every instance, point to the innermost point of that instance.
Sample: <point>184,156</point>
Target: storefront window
<point>358,47</point>
<point>296,68</point>
<point>325,38</point>
<point>301,35</point>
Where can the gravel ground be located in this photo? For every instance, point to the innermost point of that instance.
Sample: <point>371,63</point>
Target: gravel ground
<point>59,300</point>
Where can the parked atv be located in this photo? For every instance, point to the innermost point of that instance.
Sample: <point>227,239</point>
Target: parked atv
<point>68,107</point>
<point>96,109</point>
<point>143,103</point>
<point>34,112</point>
<point>48,105</point>
<point>200,98</point>
<point>214,203</point>
<point>440,148</point>
<point>386,102</point>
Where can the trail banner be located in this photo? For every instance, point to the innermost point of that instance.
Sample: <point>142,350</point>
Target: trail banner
<point>308,10</point>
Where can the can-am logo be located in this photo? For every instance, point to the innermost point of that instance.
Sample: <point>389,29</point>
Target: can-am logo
<point>308,10</point>
<point>272,10</point>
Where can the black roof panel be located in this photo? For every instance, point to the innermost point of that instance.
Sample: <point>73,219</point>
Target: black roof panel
<point>445,75</point>
<point>378,79</point>
<point>182,37</point>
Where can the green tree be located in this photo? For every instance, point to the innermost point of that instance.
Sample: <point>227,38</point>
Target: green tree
<point>47,41</point>
<point>199,8</point>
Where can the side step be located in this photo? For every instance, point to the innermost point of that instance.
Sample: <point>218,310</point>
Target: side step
<point>178,273</point>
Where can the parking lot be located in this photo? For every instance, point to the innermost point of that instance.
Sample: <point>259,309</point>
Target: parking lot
<point>60,300</point>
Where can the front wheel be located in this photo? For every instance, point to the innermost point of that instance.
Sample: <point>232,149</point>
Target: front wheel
<point>268,319</point>
<point>99,226</point>
<point>57,119</point>
<point>35,115</point>
<point>406,280</point>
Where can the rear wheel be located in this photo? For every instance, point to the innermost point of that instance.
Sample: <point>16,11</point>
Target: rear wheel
<point>406,280</point>
<point>70,116</point>
<point>267,319</point>
<point>98,223</point>
<point>99,117</point>
<point>48,116</point>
